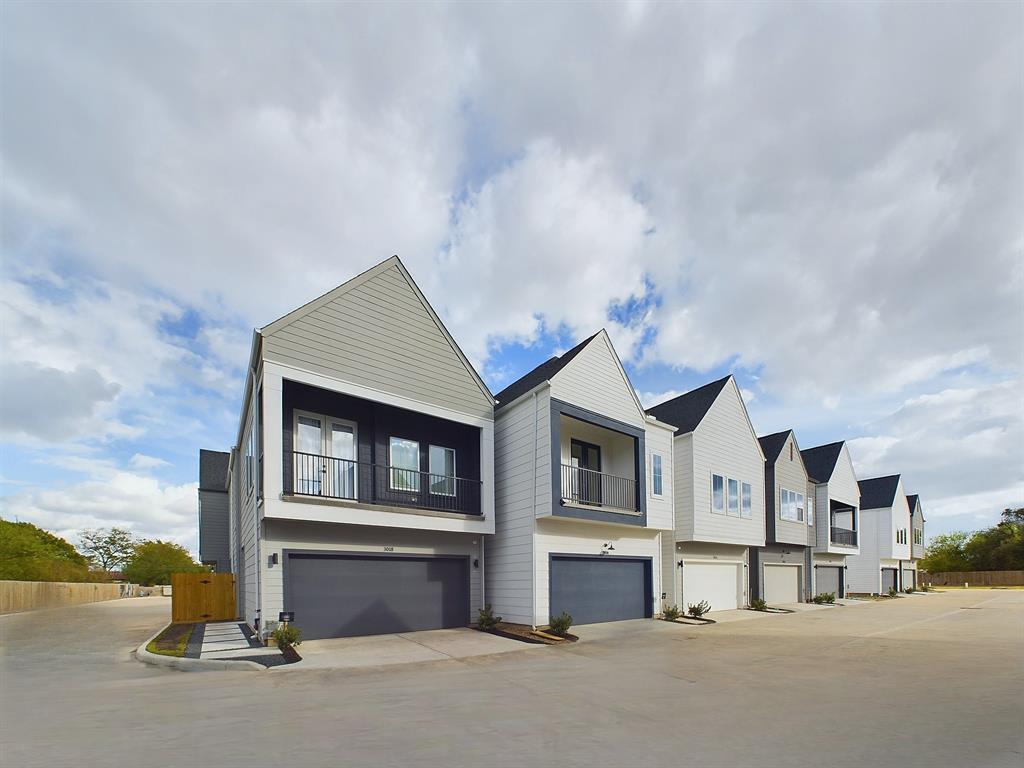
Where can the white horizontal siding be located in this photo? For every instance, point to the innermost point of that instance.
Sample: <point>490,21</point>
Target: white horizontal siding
<point>703,552</point>
<point>683,472</point>
<point>660,509</point>
<point>842,486</point>
<point>724,444</point>
<point>379,334</point>
<point>863,573</point>
<point>791,475</point>
<point>556,536</point>
<point>594,380</point>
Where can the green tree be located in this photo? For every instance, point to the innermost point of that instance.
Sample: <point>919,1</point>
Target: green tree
<point>28,553</point>
<point>153,562</point>
<point>107,548</point>
<point>945,552</point>
<point>1001,547</point>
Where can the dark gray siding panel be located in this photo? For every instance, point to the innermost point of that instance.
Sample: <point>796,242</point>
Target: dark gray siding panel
<point>214,531</point>
<point>593,589</point>
<point>346,595</point>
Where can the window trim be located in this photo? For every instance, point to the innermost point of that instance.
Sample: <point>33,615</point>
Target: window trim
<point>799,511</point>
<point>657,475</point>
<point>454,475</point>
<point>392,467</point>
<point>720,511</point>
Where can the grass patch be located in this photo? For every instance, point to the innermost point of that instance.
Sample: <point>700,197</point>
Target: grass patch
<point>172,641</point>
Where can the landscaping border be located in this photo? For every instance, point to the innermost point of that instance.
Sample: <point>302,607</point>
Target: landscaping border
<point>186,664</point>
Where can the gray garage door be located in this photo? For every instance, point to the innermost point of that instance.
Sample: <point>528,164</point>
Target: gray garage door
<point>909,580</point>
<point>345,595</point>
<point>593,589</point>
<point>888,579</point>
<point>827,579</point>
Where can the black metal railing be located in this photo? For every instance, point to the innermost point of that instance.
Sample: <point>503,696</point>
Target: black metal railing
<point>309,474</point>
<point>587,486</point>
<point>844,536</point>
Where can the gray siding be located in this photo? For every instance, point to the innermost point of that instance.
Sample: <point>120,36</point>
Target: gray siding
<point>594,380</point>
<point>522,490</point>
<point>791,475</point>
<point>247,524</point>
<point>214,529</point>
<point>376,332</point>
<point>917,523</point>
<point>683,472</point>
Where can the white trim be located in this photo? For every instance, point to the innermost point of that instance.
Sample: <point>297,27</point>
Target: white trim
<point>294,373</point>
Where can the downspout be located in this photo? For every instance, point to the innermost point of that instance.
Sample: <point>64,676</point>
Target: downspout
<point>533,510</point>
<point>257,521</point>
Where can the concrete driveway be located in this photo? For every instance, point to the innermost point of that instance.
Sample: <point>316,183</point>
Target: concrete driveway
<point>933,681</point>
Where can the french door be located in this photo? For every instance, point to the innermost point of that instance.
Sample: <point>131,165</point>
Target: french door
<point>586,462</point>
<point>325,456</point>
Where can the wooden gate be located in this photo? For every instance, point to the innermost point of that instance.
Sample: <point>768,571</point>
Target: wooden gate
<point>203,597</point>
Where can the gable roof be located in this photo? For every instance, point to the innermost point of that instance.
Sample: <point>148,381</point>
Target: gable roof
<point>914,502</point>
<point>820,461</point>
<point>540,374</point>
<point>689,409</point>
<point>358,280</point>
<point>878,492</point>
<point>213,470</point>
<point>772,445</point>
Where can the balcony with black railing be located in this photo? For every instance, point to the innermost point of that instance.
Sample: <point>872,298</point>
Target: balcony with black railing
<point>598,489</point>
<point>327,477</point>
<point>844,536</point>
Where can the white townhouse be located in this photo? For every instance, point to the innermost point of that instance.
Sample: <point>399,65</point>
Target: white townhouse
<point>361,486</point>
<point>836,515</point>
<point>583,490</point>
<point>719,497</point>
<point>916,541</point>
<point>884,561</point>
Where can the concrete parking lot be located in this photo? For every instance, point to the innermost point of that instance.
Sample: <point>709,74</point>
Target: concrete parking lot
<point>933,680</point>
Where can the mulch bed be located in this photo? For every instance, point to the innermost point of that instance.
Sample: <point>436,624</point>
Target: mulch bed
<point>526,634</point>
<point>173,641</point>
<point>772,610</point>
<point>692,621</point>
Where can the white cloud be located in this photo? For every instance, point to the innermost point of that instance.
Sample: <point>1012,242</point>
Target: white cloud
<point>651,399</point>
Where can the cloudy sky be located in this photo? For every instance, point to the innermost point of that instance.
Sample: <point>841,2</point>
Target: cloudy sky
<point>823,199</point>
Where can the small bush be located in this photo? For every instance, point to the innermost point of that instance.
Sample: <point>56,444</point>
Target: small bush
<point>486,620</point>
<point>560,624</point>
<point>758,604</point>
<point>287,636</point>
<point>909,590</point>
<point>892,592</point>
<point>825,598</point>
<point>698,609</point>
<point>672,613</point>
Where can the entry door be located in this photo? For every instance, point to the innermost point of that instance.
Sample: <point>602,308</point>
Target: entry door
<point>343,467</point>
<point>586,459</point>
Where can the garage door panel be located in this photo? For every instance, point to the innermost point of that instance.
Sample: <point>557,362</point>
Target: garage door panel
<point>781,584</point>
<point>344,596</point>
<point>599,589</point>
<point>909,578</point>
<point>888,579</point>
<point>827,580</point>
<point>717,583</point>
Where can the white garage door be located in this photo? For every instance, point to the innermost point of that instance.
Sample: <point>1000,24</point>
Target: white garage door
<point>718,583</point>
<point>781,584</point>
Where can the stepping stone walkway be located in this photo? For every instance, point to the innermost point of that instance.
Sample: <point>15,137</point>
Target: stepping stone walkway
<point>229,639</point>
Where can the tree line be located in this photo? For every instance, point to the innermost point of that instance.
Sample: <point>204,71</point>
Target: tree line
<point>999,548</point>
<point>29,553</point>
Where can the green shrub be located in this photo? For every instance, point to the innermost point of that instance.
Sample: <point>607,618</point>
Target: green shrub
<point>698,609</point>
<point>486,620</point>
<point>287,636</point>
<point>758,604</point>
<point>560,624</point>
<point>825,598</point>
<point>892,592</point>
<point>672,613</point>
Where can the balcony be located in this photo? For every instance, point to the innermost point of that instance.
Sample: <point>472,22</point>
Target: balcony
<point>326,477</point>
<point>844,537</point>
<point>591,488</point>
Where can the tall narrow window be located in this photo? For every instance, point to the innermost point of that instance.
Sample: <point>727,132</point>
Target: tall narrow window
<point>799,507</point>
<point>745,508</point>
<point>718,494</point>
<point>810,510</point>
<point>442,471</point>
<point>405,464</point>
<point>656,481</point>
<point>734,497</point>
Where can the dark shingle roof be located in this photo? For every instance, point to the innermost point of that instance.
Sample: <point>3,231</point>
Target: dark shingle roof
<point>878,492</point>
<point>213,470</point>
<point>912,501</point>
<point>541,373</point>
<point>820,461</point>
<point>772,444</point>
<point>688,410</point>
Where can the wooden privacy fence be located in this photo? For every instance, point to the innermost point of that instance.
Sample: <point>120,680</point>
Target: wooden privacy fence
<point>975,578</point>
<point>17,596</point>
<point>203,597</point>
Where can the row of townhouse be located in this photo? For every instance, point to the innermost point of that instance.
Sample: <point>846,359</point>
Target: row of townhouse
<point>378,486</point>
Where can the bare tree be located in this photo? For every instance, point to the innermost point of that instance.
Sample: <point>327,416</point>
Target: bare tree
<point>107,548</point>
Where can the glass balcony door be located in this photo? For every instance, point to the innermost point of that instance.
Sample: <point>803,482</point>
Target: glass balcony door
<point>586,463</point>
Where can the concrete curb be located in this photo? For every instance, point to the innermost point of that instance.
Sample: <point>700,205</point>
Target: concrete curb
<point>192,665</point>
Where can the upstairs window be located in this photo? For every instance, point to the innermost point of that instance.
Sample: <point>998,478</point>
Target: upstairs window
<point>656,480</point>
<point>810,510</point>
<point>791,506</point>
<point>404,457</point>
<point>745,504</point>
<point>442,471</point>
<point>718,494</point>
<point>734,498</point>
<point>918,536</point>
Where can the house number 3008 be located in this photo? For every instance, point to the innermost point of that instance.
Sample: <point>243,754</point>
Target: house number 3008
<point>389,549</point>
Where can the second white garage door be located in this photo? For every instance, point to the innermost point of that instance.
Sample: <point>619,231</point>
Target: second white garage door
<point>781,584</point>
<point>718,583</point>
